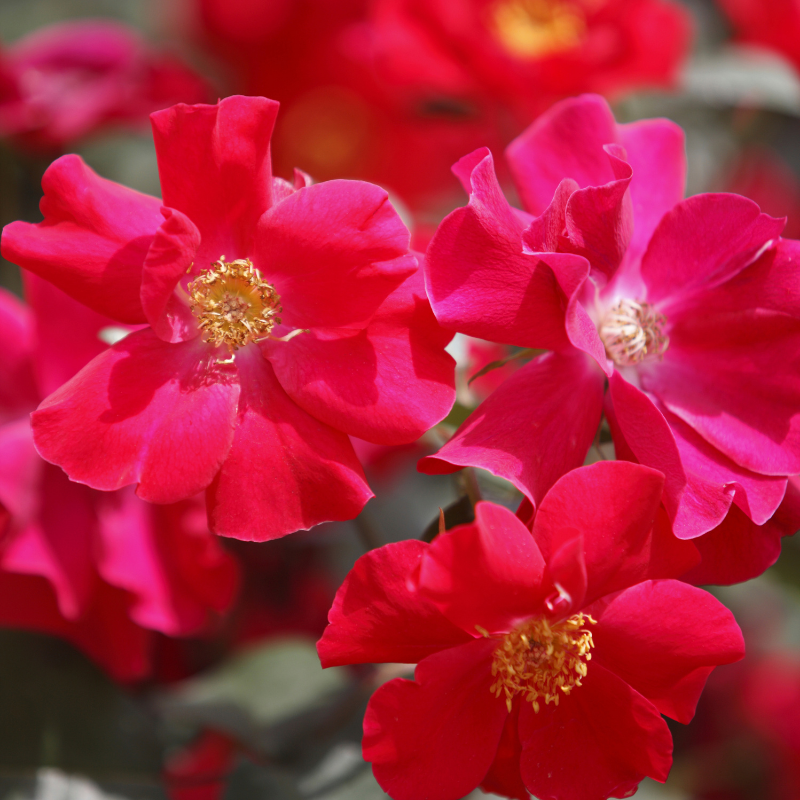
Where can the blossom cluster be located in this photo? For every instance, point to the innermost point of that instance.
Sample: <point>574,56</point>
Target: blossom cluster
<point>215,362</point>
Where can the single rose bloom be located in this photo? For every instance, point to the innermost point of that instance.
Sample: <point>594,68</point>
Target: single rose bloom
<point>678,319</point>
<point>104,570</point>
<point>526,53</point>
<point>544,659</point>
<point>66,81</point>
<point>283,317</point>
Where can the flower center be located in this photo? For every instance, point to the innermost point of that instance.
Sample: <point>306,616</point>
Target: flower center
<point>541,659</point>
<point>537,28</point>
<point>633,331</point>
<point>234,305</point>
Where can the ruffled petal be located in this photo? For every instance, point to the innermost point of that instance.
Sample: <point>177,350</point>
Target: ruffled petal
<point>614,505</point>
<point>388,383</point>
<point>169,258</point>
<point>482,283</point>
<point>286,471</point>
<point>663,638</point>
<point>536,426</point>
<point>436,736</point>
<point>599,219</point>
<point>656,151</point>
<point>702,242</point>
<point>714,478</point>
<point>143,411</point>
<point>601,740</point>
<point>334,252</point>
<point>93,241</point>
<point>735,379</point>
<point>378,617</point>
<point>214,163</point>
<point>486,575</point>
<point>564,142</point>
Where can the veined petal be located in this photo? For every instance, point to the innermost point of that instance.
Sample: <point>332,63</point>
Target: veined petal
<point>565,142</point>
<point>735,379</point>
<point>702,242</point>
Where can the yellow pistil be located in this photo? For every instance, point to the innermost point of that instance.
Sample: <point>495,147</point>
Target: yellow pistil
<point>538,28</point>
<point>234,305</point>
<point>632,331</point>
<point>542,660</point>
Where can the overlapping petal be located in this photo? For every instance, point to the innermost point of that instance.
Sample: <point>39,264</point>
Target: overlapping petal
<point>334,251</point>
<point>536,426</point>
<point>416,733</point>
<point>379,617</point>
<point>215,168</point>
<point>280,451</point>
<point>93,255</point>
<point>663,638</point>
<point>702,242</point>
<point>144,411</point>
<point>616,524</point>
<point>387,383</point>
<point>480,281</point>
<point>487,575</point>
<point>601,740</point>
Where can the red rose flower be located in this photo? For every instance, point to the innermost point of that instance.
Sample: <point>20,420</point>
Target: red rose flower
<point>689,309</point>
<point>283,318</point>
<point>545,659</point>
<point>63,82</point>
<point>103,570</point>
<point>526,53</point>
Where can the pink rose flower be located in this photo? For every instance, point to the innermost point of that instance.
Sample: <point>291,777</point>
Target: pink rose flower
<point>545,659</point>
<point>687,310</point>
<point>282,318</point>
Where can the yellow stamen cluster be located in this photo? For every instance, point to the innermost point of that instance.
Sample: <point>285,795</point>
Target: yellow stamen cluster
<point>633,331</point>
<point>542,659</point>
<point>538,28</point>
<point>234,305</point>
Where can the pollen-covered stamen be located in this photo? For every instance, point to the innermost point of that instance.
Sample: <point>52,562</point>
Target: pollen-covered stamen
<point>234,305</point>
<point>542,660</point>
<point>633,331</point>
<point>538,28</point>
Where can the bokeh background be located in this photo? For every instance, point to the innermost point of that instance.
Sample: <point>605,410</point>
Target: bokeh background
<point>243,710</point>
